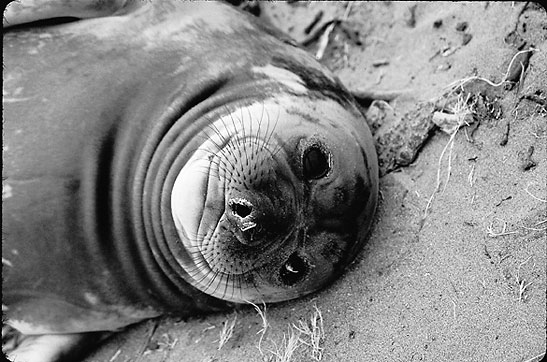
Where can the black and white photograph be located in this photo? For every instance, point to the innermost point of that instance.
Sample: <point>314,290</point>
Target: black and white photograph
<point>274,181</point>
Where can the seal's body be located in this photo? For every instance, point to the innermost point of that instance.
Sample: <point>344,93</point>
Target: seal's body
<point>172,157</point>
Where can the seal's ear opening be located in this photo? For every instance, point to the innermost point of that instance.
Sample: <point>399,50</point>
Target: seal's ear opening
<point>293,270</point>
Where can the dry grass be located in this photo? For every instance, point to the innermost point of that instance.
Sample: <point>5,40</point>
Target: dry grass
<point>533,196</point>
<point>308,332</point>
<point>471,176</point>
<point>226,332</point>
<point>460,115</point>
<point>515,67</point>
<point>265,323</point>
<point>313,333</point>
<point>289,344</point>
<point>167,342</point>
<point>498,227</point>
<point>535,228</point>
<point>453,116</point>
<point>491,232</point>
<point>522,283</point>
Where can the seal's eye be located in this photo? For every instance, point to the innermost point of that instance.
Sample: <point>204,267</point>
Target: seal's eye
<point>294,270</point>
<point>315,163</point>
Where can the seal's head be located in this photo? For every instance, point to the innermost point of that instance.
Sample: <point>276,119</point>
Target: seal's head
<point>276,200</point>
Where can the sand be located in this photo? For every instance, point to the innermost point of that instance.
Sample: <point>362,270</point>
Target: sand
<point>467,282</point>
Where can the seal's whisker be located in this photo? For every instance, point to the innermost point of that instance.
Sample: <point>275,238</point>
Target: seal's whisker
<point>259,130</point>
<point>213,126</point>
<point>226,284</point>
<point>194,253</point>
<point>218,279</point>
<point>228,138</point>
<point>219,162</point>
<point>242,283</point>
<point>253,151</point>
<point>195,243</point>
<point>201,277</point>
<point>194,238</point>
<point>216,144</point>
<point>221,158</point>
<point>231,115</point>
<point>228,152</point>
<point>198,274</point>
<point>267,124</point>
<point>209,136</point>
<point>254,282</point>
<point>214,280</point>
<point>236,284</point>
<point>203,267</point>
<point>201,263</point>
<point>263,111</point>
<point>263,145</point>
<point>242,143</point>
<point>234,143</point>
<point>269,136</point>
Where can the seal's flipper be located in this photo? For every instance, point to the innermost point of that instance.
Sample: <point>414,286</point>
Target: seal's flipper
<point>47,347</point>
<point>26,11</point>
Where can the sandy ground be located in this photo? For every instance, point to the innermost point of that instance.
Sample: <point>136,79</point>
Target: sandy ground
<point>467,282</point>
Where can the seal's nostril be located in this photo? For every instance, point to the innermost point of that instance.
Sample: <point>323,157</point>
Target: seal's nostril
<point>241,208</point>
<point>294,270</point>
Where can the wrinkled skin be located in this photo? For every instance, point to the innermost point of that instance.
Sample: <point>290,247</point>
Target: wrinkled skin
<point>171,157</point>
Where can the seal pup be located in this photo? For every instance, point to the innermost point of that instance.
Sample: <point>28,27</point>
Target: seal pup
<point>169,157</point>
